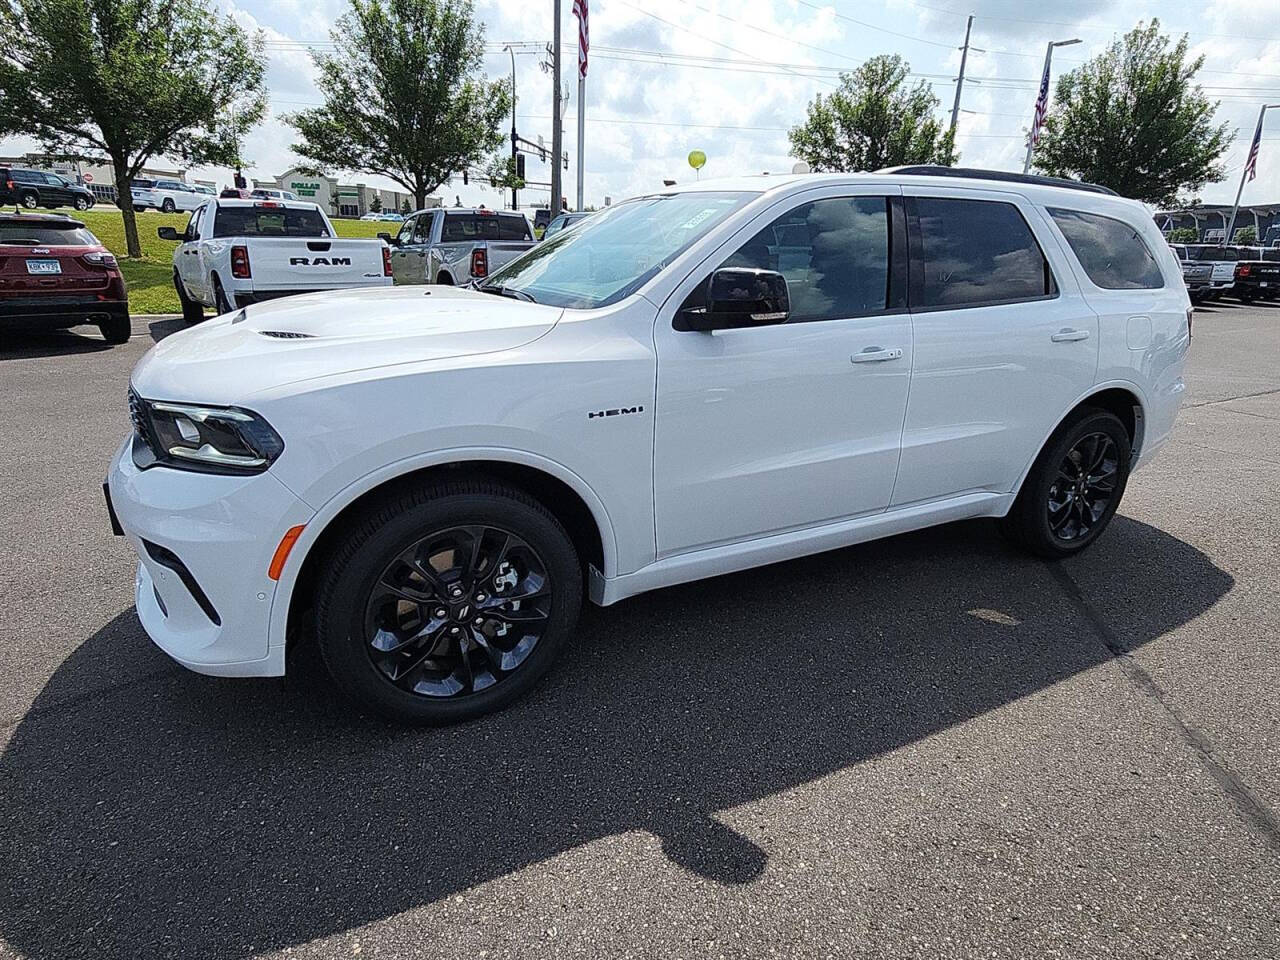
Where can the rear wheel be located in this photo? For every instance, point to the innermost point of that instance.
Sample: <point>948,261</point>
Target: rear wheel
<point>81,203</point>
<point>1074,487</point>
<point>446,603</point>
<point>445,279</point>
<point>30,200</point>
<point>116,329</point>
<point>221,303</point>
<point>192,311</point>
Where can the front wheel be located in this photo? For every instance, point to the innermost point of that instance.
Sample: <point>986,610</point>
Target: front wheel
<point>448,602</point>
<point>168,206</point>
<point>1074,487</point>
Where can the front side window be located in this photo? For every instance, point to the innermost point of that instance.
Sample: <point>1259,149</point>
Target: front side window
<point>193,225</point>
<point>974,252</point>
<point>422,233</point>
<point>833,253</point>
<point>1113,254</point>
<point>406,231</point>
<point>617,251</point>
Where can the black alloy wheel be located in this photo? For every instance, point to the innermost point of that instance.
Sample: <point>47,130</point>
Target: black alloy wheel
<point>1083,488</point>
<point>458,612</point>
<point>446,601</point>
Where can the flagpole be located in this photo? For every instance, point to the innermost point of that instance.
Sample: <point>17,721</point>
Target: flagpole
<point>1044,95</point>
<point>582,117</point>
<point>1257,135</point>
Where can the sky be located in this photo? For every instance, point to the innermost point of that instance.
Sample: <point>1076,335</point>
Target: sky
<point>729,77</point>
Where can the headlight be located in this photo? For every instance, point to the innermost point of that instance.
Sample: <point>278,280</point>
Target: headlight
<point>202,438</point>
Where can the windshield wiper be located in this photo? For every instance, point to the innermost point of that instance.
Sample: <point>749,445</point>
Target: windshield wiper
<point>511,292</point>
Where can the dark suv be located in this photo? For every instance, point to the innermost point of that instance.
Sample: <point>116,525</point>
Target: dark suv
<point>33,188</point>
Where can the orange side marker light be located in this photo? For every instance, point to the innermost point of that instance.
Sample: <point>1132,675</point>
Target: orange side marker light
<point>282,552</point>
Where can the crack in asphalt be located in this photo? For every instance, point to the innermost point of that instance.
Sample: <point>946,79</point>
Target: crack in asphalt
<point>1251,807</point>
<point>1243,396</point>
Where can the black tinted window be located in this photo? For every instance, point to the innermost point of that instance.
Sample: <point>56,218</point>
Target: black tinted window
<point>1112,253</point>
<point>27,235</point>
<point>974,252</point>
<point>484,226</point>
<point>268,222</point>
<point>834,254</point>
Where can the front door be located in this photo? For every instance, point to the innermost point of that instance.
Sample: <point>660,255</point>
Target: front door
<point>403,253</point>
<point>189,263</point>
<point>1005,343</point>
<point>764,430</point>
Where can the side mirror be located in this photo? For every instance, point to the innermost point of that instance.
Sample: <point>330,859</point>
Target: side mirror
<point>388,239</point>
<point>167,233</point>
<point>739,297</point>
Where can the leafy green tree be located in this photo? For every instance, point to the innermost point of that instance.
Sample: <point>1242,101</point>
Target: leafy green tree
<point>129,80</point>
<point>1184,235</point>
<point>873,120</point>
<point>501,171</point>
<point>1246,235</point>
<point>405,96</point>
<point>1133,119</point>
<point>405,209</point>
<point>375,205</point>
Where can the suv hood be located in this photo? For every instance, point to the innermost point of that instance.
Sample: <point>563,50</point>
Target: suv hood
<point>281,342</point>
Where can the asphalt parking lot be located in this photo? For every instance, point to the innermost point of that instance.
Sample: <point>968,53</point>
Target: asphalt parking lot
<point>930,746</point>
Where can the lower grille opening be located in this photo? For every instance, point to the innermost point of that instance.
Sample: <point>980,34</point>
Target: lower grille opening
<point>167,558</point>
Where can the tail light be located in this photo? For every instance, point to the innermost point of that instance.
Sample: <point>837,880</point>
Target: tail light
<point>240,262</point>
<point>479,263</point>
<point>386,260</point>
<point>106,260</point>
<point>8,184</point>
<point>1242,270</point>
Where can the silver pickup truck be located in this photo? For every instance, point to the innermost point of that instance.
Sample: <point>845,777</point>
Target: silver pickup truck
<point>456,245</point>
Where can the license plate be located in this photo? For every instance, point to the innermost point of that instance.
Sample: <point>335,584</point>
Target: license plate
<point>43,266</point>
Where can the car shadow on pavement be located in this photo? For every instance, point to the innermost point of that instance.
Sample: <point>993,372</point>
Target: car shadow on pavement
<point>19,345</point>
<point>176,815</point>
<point>159,329</point>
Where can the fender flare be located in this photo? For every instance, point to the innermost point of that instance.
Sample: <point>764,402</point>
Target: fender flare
<point>320,520</point>
<point>1128,385</point>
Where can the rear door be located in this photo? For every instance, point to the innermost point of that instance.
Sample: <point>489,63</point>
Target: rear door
<point>1005,342</point>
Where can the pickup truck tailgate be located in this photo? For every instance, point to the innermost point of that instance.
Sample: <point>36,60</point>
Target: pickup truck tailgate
<point>502,252</point>
<point>297,263</point>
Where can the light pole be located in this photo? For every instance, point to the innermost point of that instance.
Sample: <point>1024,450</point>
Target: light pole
<point>1256,141</point>
<point>514,149</point>
<point>1043,97</point>
<point>557,145</point>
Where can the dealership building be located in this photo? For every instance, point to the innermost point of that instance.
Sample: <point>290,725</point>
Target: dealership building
<point>1210,220</point>
<point>341,199</point>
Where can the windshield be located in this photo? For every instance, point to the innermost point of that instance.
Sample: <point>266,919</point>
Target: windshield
<point>615,252</point>
<point>1212,253</point>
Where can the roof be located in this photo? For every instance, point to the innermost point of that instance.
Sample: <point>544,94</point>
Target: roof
<point>42,219</point>
<point>484,210</point>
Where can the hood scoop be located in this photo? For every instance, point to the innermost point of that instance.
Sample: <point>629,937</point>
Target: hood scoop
<point>287,335</point>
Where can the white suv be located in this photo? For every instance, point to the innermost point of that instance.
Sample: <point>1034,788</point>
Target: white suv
<point>427,480</point>
<point>167,196</point>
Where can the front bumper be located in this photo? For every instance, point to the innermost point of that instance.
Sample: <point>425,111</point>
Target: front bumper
<point>223,532</point>
<point>57,312</point>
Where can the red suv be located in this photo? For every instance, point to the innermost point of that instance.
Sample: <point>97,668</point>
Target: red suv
<point>55,274</point>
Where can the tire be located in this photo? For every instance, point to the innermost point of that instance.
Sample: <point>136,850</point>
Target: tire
<point>192,311</point>
<point>167,206</point>
<point>30,200</point>
<point>81,203</point>
<point>221,303</point>
<point>1035,524</point>
<point>116,329</point>
<point>1246,300</point>
<point>445,279</point>
<point>139,209</point>
<point>358,618</point>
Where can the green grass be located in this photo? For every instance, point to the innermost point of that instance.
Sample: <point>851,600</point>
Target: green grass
<point>150,278</point>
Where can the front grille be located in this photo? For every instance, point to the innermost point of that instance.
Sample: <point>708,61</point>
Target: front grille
<point>136,414</point>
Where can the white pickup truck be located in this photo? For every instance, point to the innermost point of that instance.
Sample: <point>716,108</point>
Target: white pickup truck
<point>238,252</point>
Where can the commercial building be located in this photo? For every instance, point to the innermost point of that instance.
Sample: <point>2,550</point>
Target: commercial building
<point>341,199</point>
<point>1210,220</point>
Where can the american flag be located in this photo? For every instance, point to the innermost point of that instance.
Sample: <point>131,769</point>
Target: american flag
<point>1042,107</point>
<point>580,11</point>
<point>1251,165</point>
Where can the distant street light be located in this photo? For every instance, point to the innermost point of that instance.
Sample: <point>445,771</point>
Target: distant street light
<point>1042,101</point>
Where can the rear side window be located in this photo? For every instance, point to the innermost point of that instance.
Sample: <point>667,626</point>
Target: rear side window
<point>833,253</point>
<point>268,222</point>
<point>969,253</point>
<point>1113,254</point>
<point>26,235</point>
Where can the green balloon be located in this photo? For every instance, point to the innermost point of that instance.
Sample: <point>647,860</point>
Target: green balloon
<point>697,159</point>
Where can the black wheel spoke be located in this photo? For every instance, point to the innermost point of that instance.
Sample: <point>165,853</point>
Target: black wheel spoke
<point>458,611</point>
<point>1083,487</point>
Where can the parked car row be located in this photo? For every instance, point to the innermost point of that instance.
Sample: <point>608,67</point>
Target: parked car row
<point>34,188</point>
<point>1211,271</point>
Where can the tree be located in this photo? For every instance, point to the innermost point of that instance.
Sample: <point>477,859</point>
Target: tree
<point>1246,235</point>
<point>405,209</point>
<point>873,120</point>
<point>375,205</point>
<point>502,173</point>
<point>129,80</point>
<point>404,94</point>
<point>1131,119</point>
<point>1184,235</point>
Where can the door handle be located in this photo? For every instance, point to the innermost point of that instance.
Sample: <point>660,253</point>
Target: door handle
<point>876,355</point>
<point>1066,335</point>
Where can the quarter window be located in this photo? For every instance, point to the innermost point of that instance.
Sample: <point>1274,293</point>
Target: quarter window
<point>1112,253</point>
<point>833,253</point>
<point>975,252</point>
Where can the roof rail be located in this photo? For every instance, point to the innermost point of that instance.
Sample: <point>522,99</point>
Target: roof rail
<point>973,173</point>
